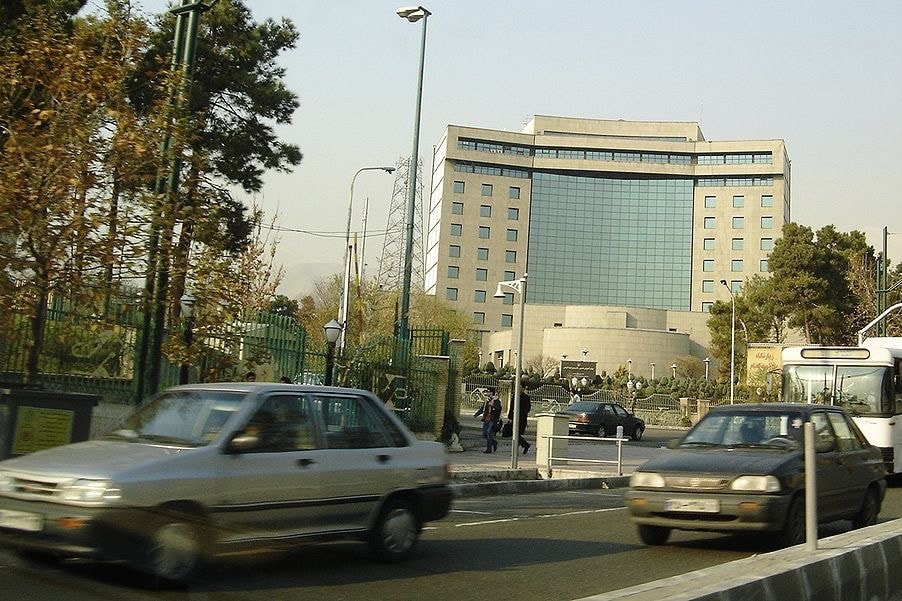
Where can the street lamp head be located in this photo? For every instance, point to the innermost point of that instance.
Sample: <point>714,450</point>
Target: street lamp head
<point>724,282</point>
<point>332,331</point>
<point>388,169</point>
<point>499,293</point>
<point>187,303</point>
<point>413,13</point>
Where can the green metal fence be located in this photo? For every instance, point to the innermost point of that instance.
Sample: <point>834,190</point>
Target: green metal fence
<point>96,354</point>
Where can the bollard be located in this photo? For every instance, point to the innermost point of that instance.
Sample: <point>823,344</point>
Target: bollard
<point>619,431</point>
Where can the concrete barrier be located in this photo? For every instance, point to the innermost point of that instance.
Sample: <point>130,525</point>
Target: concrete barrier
<point>861,565</point>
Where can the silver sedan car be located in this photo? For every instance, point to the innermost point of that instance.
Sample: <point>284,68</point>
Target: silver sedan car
<point>204,470</point>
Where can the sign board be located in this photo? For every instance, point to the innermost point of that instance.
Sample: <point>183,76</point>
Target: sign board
<point>39,428</point>
<point>578,369</point>
<point>761,360</point>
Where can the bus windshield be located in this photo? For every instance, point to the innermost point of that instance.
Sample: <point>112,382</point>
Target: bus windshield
<point>858,389</point>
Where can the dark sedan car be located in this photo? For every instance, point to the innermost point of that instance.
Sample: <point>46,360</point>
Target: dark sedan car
<point>741,469</point>
<point>602,418</point>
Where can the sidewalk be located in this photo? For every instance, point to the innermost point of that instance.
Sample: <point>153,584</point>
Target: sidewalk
<point>476,473</point>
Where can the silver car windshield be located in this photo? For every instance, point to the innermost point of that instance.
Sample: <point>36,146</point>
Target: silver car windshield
<point>189,418</point>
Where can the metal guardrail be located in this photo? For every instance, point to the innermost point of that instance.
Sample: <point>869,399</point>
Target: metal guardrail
<point>619,440</point>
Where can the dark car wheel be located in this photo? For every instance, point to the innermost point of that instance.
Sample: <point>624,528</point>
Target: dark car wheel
<point>794,529</point>
<point>870,508</point>
<point>638,431</point>
<point>653,535</point>
<point>173,550</point>
<point>395,533</point>
<point>602,432</point>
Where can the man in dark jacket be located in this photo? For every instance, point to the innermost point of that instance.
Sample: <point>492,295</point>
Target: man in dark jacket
<point>525,407</point>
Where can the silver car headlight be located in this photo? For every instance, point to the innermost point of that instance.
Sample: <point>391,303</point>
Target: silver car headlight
<point>755,484</point>
<point>7,482</point>
<point>88,491</point>
<point>646,480</point>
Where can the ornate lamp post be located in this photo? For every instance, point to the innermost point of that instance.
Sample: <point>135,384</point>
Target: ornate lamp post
<point>187,303</point>
<point>652,365</point>
<point>673,367</point>
<point>707,361</point>
<point>332,331</point>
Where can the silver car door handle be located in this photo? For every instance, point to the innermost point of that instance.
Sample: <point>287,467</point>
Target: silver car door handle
<point>305,462</point>
<point>383,458</point>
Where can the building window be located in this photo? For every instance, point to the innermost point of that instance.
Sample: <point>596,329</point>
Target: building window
<point>458,187</point>
<point>513,193</point>
<point>707,285</point>
<point>706,307</point>
<point>456,229</point>
<point>708,265</point>
<point>485,210</point>
<point>453,272</point>
<point>451,294</point>
<point>708,244</point>
<point>485,232</point>
<point>482,254</point>
<point>486,189</point>
<point>510,256</point>
<point>710,223</point>
<point>736,265</point>
<point>513,214</point>
<point>507,320</point>
<point>738,223</point>
<point>738,243</point>
<point>767,223</point>
<point>738,202</point>
<point>508,298</point>
<point>457,208</point>
<point>767,243</point>
<point>735,286</point>
<point>762,266</point>
<point>767,201</point>
<point>510,275</point>
<point>710,202</point>
<point>511,235</point>
<point>478,317</point>
<point>482,275</point>
<point>454,251</point>
<point>479,296</point>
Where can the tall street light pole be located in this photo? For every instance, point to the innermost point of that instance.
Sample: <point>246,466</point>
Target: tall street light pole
<point>732,339</point>
<point>518,286</point>
<point>345,302</point>
<point>412,14</point>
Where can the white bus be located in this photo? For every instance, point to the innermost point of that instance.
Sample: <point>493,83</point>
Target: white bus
<point>866,380</point>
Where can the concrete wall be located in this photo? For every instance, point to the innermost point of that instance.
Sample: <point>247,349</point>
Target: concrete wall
<point>862,565</point>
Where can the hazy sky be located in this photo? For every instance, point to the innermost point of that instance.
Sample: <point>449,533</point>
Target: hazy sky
<point>822,75</point>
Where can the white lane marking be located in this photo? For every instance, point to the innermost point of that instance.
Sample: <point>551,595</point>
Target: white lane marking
<point>471,511</point>
<point>541,516</point>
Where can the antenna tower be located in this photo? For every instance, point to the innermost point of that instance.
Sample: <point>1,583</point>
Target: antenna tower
<point>391,265</point>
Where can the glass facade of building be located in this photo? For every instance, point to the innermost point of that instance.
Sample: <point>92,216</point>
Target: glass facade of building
<point>606,241</point>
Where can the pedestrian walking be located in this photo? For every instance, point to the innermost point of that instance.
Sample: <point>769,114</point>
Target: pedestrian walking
<point>491,415</point>
<point>525,408</point>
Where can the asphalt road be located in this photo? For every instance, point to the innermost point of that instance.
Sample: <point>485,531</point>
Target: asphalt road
<point>561,545</point>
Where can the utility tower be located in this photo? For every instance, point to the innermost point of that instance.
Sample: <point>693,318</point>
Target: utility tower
<point>391,264</point>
